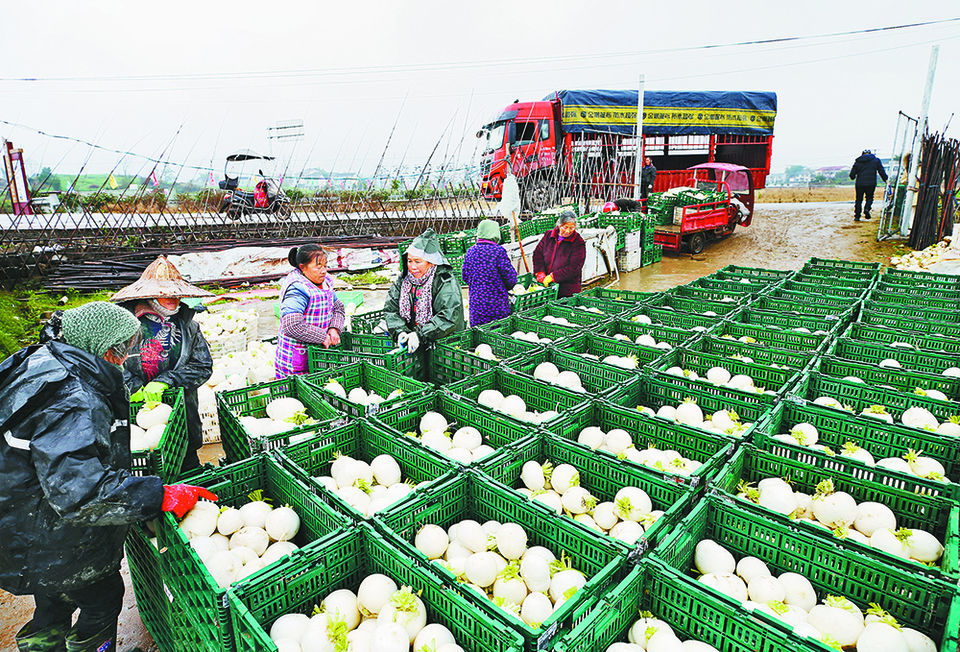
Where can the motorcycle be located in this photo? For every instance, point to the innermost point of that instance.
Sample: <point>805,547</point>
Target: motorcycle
<point>267,198</point>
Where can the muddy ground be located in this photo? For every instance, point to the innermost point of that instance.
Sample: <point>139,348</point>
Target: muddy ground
<point>782,236</point>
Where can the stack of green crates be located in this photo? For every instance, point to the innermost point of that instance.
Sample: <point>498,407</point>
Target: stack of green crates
<point>652,253</point>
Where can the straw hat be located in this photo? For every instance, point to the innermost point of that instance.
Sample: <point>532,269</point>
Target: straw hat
<point>160,280</point>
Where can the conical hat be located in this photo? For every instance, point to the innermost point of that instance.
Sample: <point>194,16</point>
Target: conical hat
<point>161,279</point>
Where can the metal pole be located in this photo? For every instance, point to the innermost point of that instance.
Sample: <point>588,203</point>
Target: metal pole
<point>638,166</point>
<point>907,220</point>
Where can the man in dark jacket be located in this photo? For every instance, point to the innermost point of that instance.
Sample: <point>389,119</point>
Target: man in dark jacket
<point>67,495</point>
<point>648,174</point>
<point>560,255</point>
<point>865,170</point>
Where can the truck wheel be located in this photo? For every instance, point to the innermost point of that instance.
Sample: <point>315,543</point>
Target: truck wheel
<point>697,242</point>
<point>536,195</point>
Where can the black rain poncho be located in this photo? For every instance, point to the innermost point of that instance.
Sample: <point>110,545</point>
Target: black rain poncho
<point>67,496</point>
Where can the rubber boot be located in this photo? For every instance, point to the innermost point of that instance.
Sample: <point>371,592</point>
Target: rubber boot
<point>50,639</point>
<point>103,641</point>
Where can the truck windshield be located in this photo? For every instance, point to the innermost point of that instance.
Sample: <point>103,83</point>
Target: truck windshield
<point>495,134</point>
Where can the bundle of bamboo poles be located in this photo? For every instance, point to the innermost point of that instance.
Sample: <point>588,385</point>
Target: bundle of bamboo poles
<point>937,187</point>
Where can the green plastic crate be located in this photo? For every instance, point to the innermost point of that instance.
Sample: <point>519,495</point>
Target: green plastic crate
<point>820,289</point>
<point>777,380</point>
<point>787,321</point>
<point>519,322</point>
<point>794,305</point>
<point>598,379</point>
<point>539,396</point>
<point>187,576</point>
<point>907,325</point>
<point>842,265</point>
<point>633,330</point>
<point>914,600</point>
<point>773,337</point>
<point>899,378</point>
<point>238,444</point>
<point>357,347</point>
<point>453,244</point>
<point>766,355</point>
<point>652,253</point>
<point>928,302</point>
<point>921,291</point>
<point>670,317</point>
<point>858,350</point>
<point>832,273</point>
<point>602,479</point>
<point>691,613</point>
<point>361,440</point>
<point>612,307</point>
<point>146,578</point>
<point>696,306</point>
<point>578,317</point>
<point>729,285</point>
<point>914,509</point>
<point>543,295</point>
<point>757,273</point>
<point>916,277</point>
<point>880,335</point>
<point>453,358</point>
<point>626,296</point>
<point>367,323</point>
<point>167,458</point>
<point>836,427</point>
<point>840,280</point>
<point>860,396</point>
<point>710,294</point>
<point>917,311</point>
<point>473,496</point>
<point>711,449</point>
<point>343,563</point>
<point>813,298</point>
<point>372,379</point>
<point>600,346</point>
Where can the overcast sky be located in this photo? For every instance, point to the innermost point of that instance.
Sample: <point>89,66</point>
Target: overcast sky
<point>188,82</point>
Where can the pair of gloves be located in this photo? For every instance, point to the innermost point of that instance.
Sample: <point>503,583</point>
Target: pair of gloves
<point>150,393</point>
<point>546,279</point>
<point>410,340</point>
<point>180,498</point>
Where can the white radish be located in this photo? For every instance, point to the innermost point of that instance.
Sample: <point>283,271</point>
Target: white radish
<point>374,592</point>
<point>798,590</point>
<point>873,516</point>
<point>511,541</point>
<point>711,557</point>
<point>432,541</point>
<point>282,524</point>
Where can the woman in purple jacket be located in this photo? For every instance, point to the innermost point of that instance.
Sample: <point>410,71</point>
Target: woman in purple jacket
<point>489,275</point>
<point>560,255</point>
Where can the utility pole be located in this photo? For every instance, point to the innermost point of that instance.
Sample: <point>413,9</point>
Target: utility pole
<point>638,165</point>
<point>907,221</point>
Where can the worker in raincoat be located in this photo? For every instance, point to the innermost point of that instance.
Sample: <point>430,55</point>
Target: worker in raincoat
<point>173,351</point>
<point>425,303</point>
<point>67,495</point>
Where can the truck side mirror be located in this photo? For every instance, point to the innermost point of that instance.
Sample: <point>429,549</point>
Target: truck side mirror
<point>512,133</point>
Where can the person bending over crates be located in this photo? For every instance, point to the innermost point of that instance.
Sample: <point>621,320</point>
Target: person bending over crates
<point>67,495</point>
<point>173,351</point>
<point>310,312</point>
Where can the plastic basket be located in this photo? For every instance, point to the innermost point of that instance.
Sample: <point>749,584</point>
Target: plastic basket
<point>692,614</point>
<point>378,349</point>
<point>151,593</point>
<point>346,560</point>
<point>367,323</point>
<point>765,355</point>
<point>626,296</point>
<point>600,346</point>
<point>791,321</point>
<point>914,600</point>
<point>372,379</point>
<point>907,276</point>
<point>898,378</point>
<point>187,576</point>
<point>472,496</point>
<point>238,443</point>
<point>633,330</point>
<point>907,325</point>
<point>578,316</point>
<point>453,358</point>
<point>542,296</point>
<point>766,336</point>
<point>774,379</point>
<point>836,427</point>
<point>364,441</point>
<point>754,273</point>
<point>599,476</point>
<point>711,294</point>
<point>844,347</point>
<point>821,289</point>
<point>652,253</point>
<point>813,299</point>
<point>709,448</point>
<point>914,509</point>
<point>519,322</point>
<point>916,310</point>
<point>839,281</point>
<point>730,285</point>
<point>167,458</point>
<point>598,379</point>
<point>927,301</point>
<point>612,307</point>
<point>694,305</point>
<point>940,289</point>
<point>793,305</point>
<point>675,319</point>
<point>841,265</point>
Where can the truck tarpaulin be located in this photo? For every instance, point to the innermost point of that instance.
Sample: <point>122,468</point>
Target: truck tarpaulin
<point>668,113</point>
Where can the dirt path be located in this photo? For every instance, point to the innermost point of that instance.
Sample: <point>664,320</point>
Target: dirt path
<point>782,236</point>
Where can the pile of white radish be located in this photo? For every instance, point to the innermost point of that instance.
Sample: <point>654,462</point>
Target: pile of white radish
<point>235,543</point>
<point>485,351</point>
<point>368,488</point>
<point>561,321</point>
<point>465,445</point>
<point>493,559</point>
<point>913,462</point>
<point>548,372</point>
<point>644,319</point>
<point>379,617</point>
<point>151,422</point>
<point>625,518</point>
<point>359,395</point>
<point>283,414</point>
<point>688,413</point>
<point>913,417</point>
<point>869,523</point>
<point>595,311</point>
<point>654,635</point>
<point>644,340</point>
<point>518,289</point>
<point>919,261</point>
<point>514,406</point>
<point>530,337</point>
<point>619,442</point>
<point>623,361</point>
<point>791,598</point>
<point>720,377</point>
<point>230,372</point>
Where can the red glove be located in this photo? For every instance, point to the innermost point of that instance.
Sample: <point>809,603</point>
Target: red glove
<point>180,498</point>
<point>540,277</point>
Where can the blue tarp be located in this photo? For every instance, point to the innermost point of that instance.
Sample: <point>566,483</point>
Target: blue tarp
<point>668,112</point>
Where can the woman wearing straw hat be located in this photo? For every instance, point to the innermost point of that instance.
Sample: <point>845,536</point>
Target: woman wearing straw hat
<point>173,351</point>
<point>489,275</point>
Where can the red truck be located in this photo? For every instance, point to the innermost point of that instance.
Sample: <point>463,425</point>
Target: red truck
<point>583,144</point>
